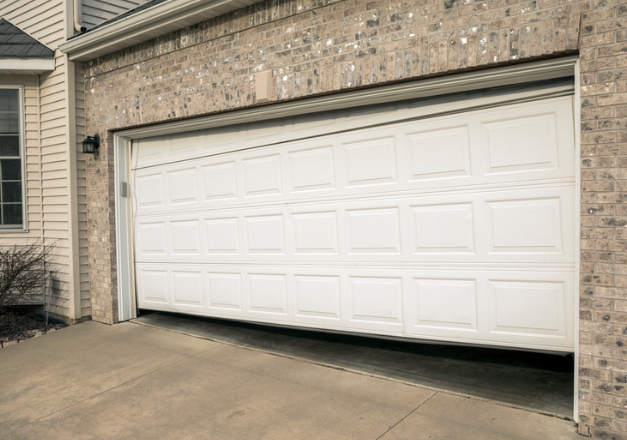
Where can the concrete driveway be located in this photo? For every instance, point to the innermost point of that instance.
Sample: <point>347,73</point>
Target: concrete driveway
<point>129,381</point>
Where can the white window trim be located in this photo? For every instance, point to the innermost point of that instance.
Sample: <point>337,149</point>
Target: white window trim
<point>24,227</point>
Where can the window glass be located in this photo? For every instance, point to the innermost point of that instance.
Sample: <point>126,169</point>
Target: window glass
<point>10,145</point>
<point>11,178</point>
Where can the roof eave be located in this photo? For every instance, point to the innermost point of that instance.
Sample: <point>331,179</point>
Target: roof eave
<point>145,25</point>
<point>26,66</point>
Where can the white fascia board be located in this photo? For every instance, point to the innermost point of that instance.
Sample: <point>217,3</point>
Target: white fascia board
<point>147,24</point>
<point>25,66</point>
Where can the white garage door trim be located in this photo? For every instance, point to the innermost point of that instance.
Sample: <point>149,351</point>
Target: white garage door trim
<point>503,76</point>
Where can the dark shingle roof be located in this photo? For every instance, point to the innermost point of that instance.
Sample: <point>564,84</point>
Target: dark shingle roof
<point>15,43</point>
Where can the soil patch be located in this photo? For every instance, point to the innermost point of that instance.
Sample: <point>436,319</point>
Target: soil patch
<point>20,323</point>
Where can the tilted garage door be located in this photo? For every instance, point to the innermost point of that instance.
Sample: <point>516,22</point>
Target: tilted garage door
<point>458,227</point>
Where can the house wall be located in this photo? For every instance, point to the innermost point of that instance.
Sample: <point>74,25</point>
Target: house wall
<point>98,11</point>
<point>51,159</point>
<point>313,47</point>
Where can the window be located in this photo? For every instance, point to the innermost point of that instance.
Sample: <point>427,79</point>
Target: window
<point>11,174</point>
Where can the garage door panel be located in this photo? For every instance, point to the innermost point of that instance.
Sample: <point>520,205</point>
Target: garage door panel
<point>523,225</point>
<point>443,228</point>
<point>222,236</point>
<point>399,158</point>
<point>267,293</point>
<point>528,307</point>
<point>370,161</point>
<point>224,290</point>
<point>485,306</point>
<point>262,175</point>
<point>444,304</point>
<point>317,296</point>
<point>219,181</point>
<point>454,228</point>
<point>521,143</point>
<point>312,169</point>
<point>439,154</point>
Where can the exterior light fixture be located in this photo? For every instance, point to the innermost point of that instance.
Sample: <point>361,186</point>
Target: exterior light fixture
<point>91,144</point>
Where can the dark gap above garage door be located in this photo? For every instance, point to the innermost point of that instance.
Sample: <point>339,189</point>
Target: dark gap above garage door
<point>539,382</point>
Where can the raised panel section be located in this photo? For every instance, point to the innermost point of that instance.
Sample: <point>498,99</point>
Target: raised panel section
<point>532,225</point>
<point>374,231</point>
<point>187,288</point>
<point>370,162</point>
<point>220,181</point>
<point>440,154</point>
<point>312,169</point>
<point>185,237</point>
<point>222,235</point>
<point>527,307</point>
<point>376,299</point>
<point>154,285</point>
<point>262,175</point>
<point>315,232</point>
<point>268,293</point>
<point>521,144</point>
<point>265,234</point>
<point>446,304</point>
<point>318,296</point>
<point>149,190</point>
<point>151,238</point>
<point>225,290</point>
<point>443,228</point>
<point>182,186</point>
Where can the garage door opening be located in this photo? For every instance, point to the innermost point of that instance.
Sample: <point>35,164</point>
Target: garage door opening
<point>539,382</point>
<point>447,220</point>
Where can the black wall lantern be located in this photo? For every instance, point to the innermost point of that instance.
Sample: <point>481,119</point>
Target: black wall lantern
<point>91,144</point>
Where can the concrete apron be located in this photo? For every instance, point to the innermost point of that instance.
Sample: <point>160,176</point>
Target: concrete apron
<point>534,381</point>
<point>129,381</point>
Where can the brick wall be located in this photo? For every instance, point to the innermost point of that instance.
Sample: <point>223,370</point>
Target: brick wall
<point>319,46</point>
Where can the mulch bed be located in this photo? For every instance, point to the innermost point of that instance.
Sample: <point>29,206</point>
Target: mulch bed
<point>20,323</point>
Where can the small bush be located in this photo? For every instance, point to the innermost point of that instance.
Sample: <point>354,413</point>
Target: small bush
<point>23,272</point>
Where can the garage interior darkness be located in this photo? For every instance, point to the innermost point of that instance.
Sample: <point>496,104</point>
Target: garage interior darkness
<point>539,382</point>
<point>452,229</point>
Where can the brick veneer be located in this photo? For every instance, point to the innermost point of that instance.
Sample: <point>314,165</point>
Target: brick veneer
<point>315,47</point>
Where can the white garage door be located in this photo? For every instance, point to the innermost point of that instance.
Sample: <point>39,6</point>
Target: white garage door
<point>458,228</point>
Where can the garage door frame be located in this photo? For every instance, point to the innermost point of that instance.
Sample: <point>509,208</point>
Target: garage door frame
<point>503,76</point>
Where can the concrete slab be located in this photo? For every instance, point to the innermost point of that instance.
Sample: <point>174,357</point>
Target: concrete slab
<point>447,417</point>
<point>49,373</point>
<point>231,393</point>
<point>521,379</point>
<point>128,381</point>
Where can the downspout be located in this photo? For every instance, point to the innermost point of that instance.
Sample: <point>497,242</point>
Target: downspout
<point>78,16</point>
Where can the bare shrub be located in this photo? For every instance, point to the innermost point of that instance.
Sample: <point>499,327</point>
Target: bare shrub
<point>23,272</point>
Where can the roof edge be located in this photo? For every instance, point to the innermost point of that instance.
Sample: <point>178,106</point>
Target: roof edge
<point>142,26</point>
<point>26,66</point>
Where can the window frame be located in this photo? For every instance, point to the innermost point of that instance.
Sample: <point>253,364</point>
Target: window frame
<point>22,151</point>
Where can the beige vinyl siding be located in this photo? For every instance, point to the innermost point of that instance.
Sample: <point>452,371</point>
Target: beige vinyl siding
<point>96,11</point>
<point>47,140</point>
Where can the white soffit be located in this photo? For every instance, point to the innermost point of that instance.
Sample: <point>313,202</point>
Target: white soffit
<point>147,24</point>
<point>31,66</point>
